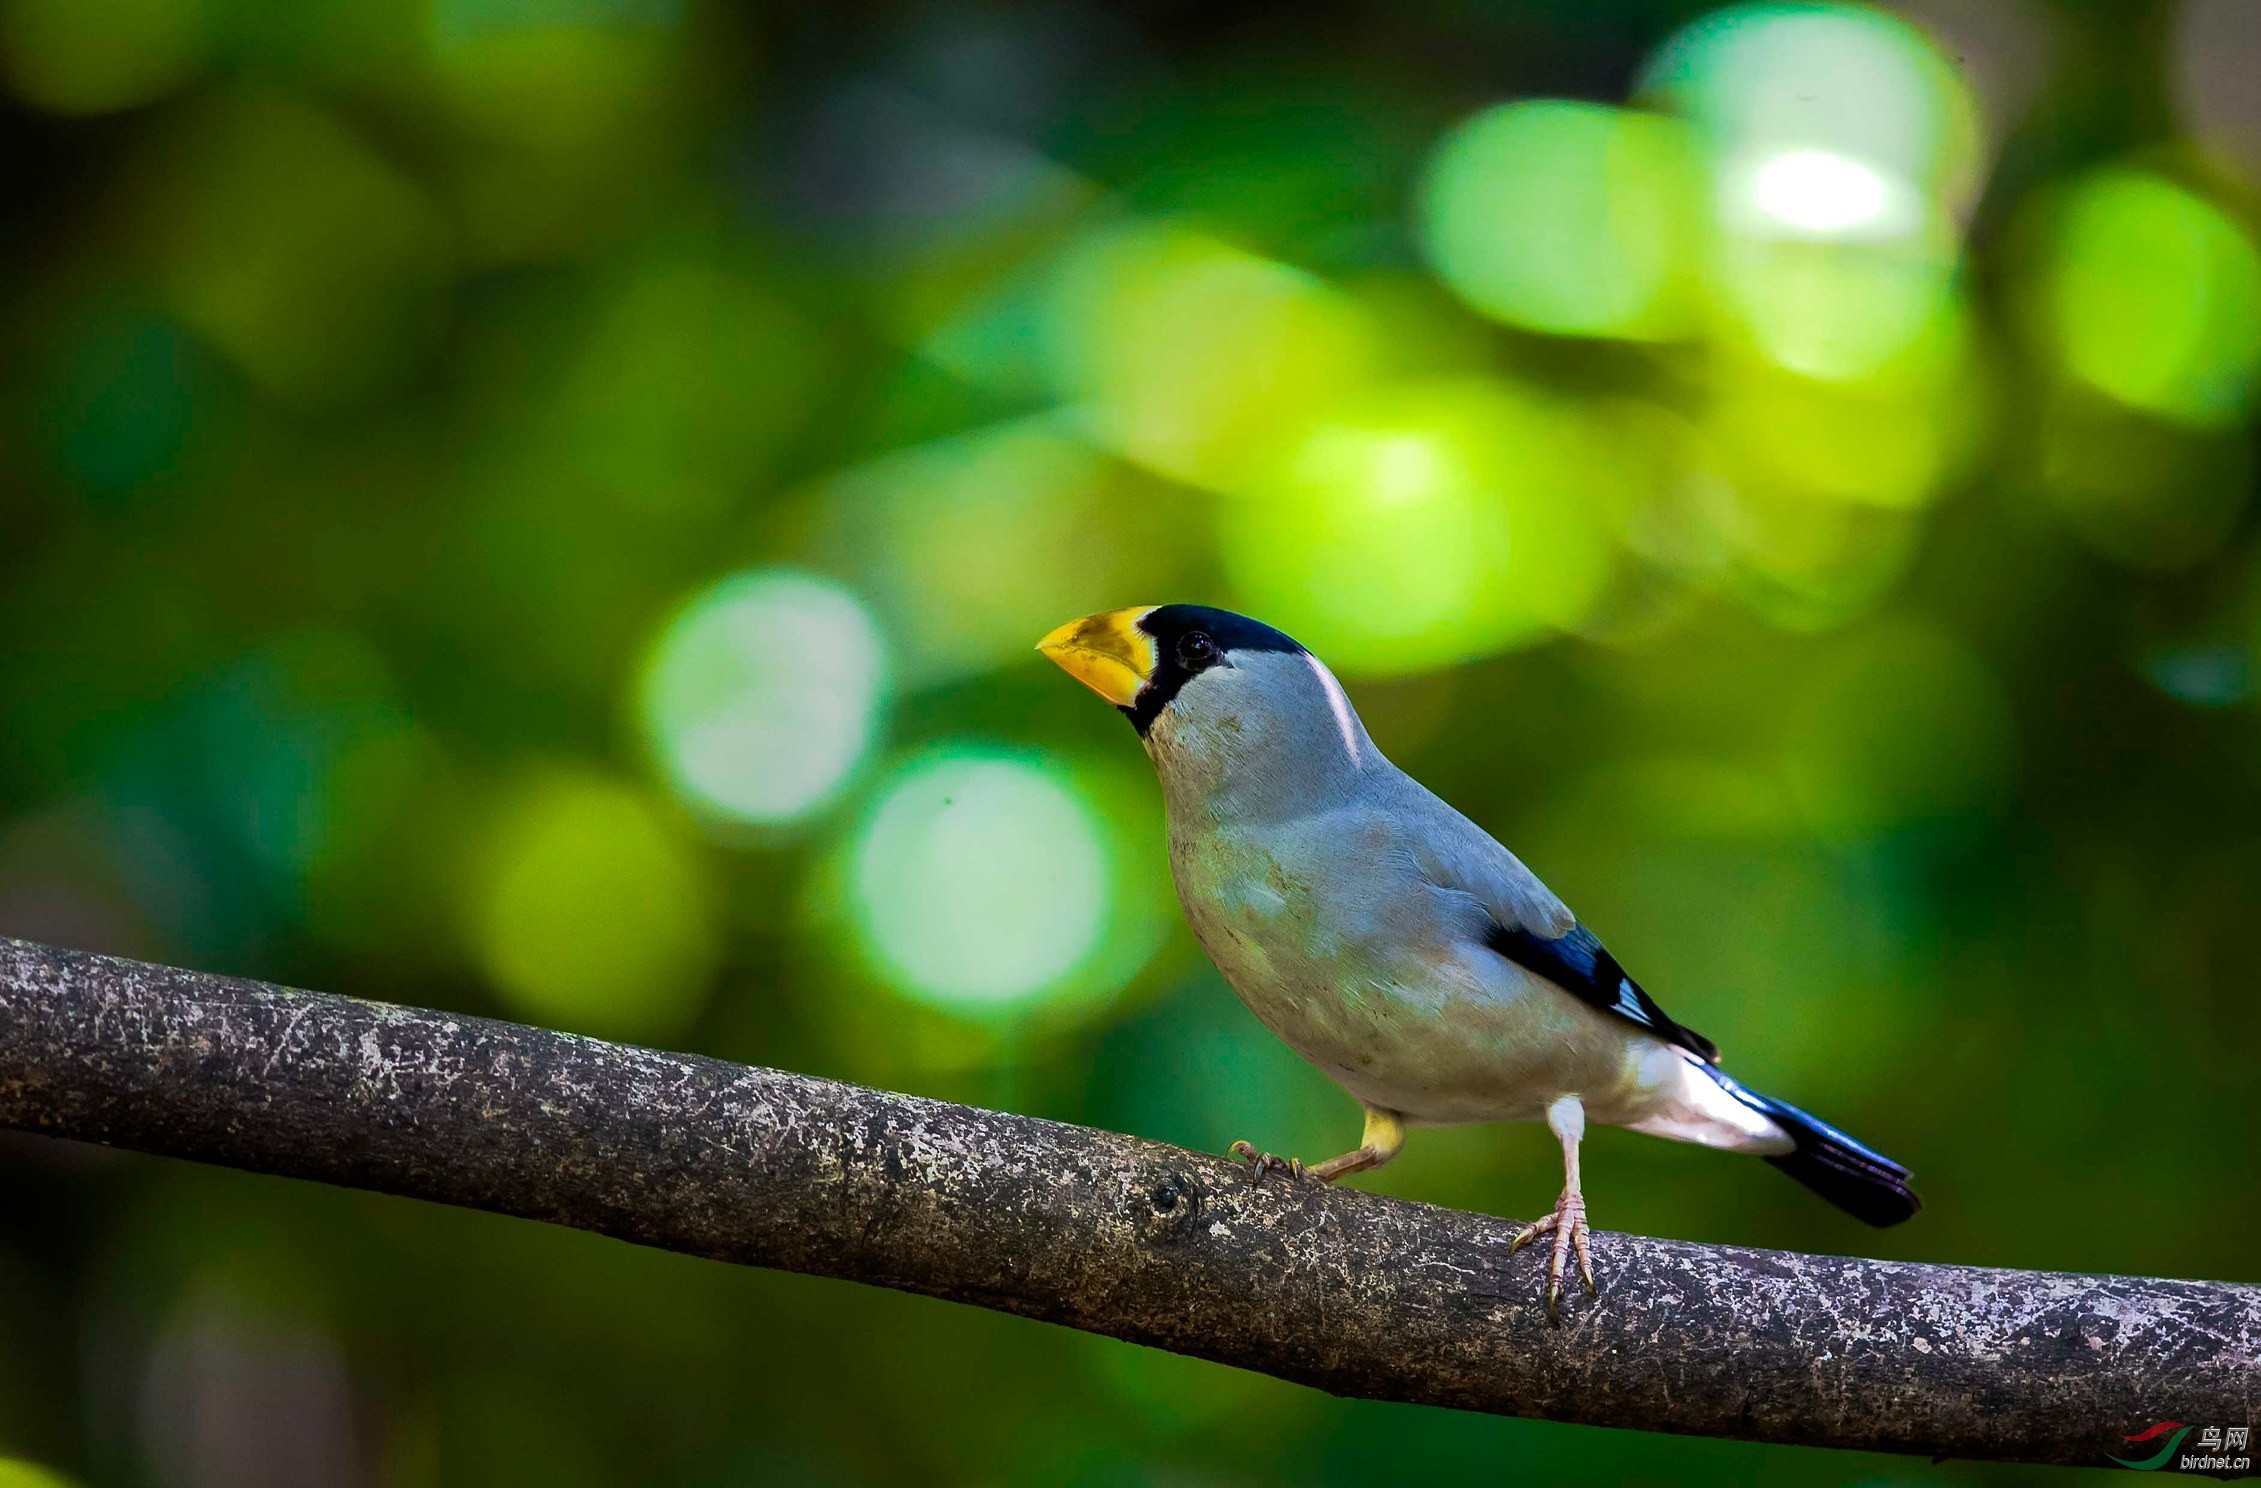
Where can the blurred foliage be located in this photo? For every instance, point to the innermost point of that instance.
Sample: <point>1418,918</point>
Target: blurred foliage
<point>541,507</point>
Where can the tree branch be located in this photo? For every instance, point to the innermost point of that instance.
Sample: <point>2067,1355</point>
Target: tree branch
<point>1351,1292</point>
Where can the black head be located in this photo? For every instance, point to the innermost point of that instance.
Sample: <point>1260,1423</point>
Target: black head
<point>1189,640</point>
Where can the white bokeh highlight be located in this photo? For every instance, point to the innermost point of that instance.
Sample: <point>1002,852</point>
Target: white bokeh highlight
<point>763,694</point>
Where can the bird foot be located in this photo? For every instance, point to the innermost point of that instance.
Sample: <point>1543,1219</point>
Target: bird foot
<point>1260,1163</point>
<point>1568,1226</point>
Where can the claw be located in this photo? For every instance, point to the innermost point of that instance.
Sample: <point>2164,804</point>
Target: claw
<point>1568,1226</point>
<point>1260,1162</point>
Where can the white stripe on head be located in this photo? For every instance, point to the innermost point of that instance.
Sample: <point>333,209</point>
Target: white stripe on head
<point>1346,723</point>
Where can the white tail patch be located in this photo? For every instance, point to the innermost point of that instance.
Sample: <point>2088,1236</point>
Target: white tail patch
<point>1695,1109</point>
<point>1346,722</point>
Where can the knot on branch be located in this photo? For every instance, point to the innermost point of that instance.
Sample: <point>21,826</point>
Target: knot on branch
<point>1171,1212</point>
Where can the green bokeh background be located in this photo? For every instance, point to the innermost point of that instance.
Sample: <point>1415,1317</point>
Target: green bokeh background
<point>540,507</point>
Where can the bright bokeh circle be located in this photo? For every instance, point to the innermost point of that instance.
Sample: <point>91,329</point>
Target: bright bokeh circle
<point>1820,192</point>
<point>763,694</point>
<point>1842,149</point>
<point>1427,525</point>
<point>2153,297</point>
<point>980,880</point>
<point>1566,217</point>
<point>1842,92</point>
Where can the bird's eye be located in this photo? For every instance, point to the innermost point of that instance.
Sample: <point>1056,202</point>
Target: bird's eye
<point>1196,650</point>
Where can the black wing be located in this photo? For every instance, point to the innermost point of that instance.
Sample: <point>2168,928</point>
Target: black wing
<point>1580,965</point>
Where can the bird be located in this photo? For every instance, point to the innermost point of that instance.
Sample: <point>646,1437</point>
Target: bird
<point>1394,944</point>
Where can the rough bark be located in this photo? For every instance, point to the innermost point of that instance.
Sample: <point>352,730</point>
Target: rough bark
<point>1350,1292</point>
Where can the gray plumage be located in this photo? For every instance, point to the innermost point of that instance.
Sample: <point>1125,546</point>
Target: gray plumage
<point>1353,910</point>
<point>1395,944</point>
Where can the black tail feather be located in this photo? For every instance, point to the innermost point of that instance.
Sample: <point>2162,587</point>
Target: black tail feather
<point>1865,1184</point>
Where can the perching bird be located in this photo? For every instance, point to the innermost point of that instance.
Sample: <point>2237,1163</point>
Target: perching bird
<point>1391,942</point>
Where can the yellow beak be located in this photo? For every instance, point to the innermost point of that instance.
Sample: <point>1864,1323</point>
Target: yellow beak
<point>1107,653</point>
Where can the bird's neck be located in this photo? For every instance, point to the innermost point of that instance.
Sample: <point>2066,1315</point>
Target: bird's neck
<point>1263,763</point>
